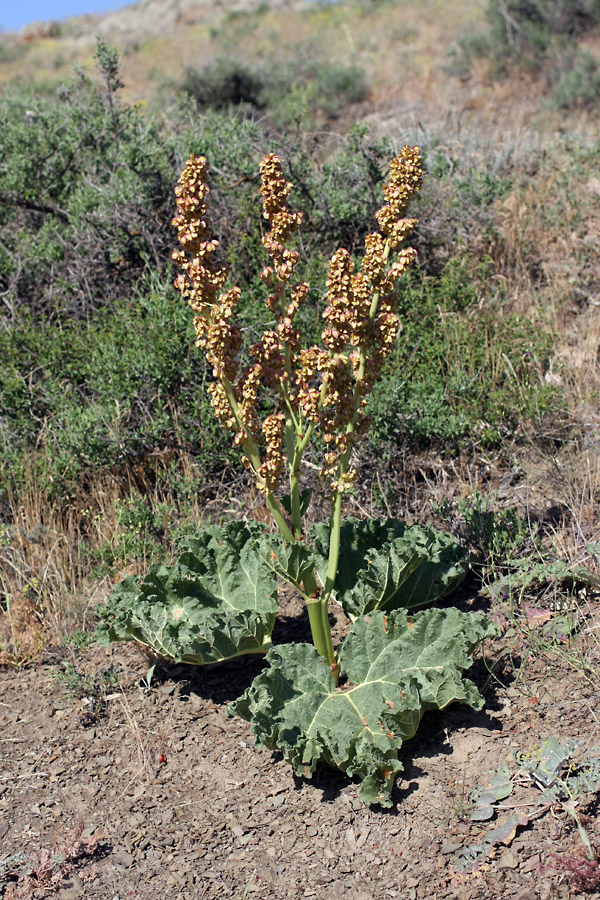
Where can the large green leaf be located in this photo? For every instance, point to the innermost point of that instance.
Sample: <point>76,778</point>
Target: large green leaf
<point>218,602</point>
<point>289,560</point>
<point>397,667</point>
<point>386,564</point>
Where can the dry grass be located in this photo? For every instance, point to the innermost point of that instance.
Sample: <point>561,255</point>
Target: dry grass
<point>48,588</point>
<point>46,555</point>
<point>44,590</point>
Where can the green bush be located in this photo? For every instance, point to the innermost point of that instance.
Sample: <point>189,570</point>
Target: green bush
<point>577,82</point>
<point>102,393</point>
<point>526,30</point>
<point>223,83</point>
<point>286,92</point>
<point>540,36</point>
<point>458,373</point>
<point>85,197</point>
<point>457,207</point>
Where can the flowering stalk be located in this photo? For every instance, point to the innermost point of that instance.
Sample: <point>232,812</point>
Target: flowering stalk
<point>323,388</point>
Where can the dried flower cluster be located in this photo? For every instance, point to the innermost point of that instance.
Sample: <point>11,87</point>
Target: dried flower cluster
<point>325,387</point>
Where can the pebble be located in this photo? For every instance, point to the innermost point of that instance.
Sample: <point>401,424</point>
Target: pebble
<point>73,892</point>
<point>450,847</point>
<point>525,894</point>
<point>532,863</point>
<point>123,858</point>
<point>508,860</point>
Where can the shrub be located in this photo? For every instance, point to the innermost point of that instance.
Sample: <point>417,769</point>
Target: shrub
<point>541,36</point>
<point>286,91</point>
<point>223,83</point>
<point>83,197</point>
<point>526,30</point>
<point>104,393</point>
<point>458,373</point>
<point>577,82</point>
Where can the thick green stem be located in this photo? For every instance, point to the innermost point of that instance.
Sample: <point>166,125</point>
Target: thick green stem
<point>295,466</point>
<point>334,545</point>
<point>294,456</point>
<point>295,502</point>
<point>279,518</point>
<point>319,623</point>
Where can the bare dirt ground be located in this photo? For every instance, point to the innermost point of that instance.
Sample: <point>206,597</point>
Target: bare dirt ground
<point>182,805</point>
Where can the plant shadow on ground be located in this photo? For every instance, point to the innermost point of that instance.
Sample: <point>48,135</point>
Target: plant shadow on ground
<point>332,783</point>
<point>220,683</point>
<point>430,743</point>
<point>225,682</point>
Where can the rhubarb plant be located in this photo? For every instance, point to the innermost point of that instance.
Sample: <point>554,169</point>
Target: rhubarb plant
<point>218,602</point>
<point>352,706</point>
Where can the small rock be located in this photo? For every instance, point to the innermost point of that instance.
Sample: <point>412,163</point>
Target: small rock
<point>532,863</point>
<point>363,837</point>
<point>450,847</point>
<point>69,893</point>
<point>426,842</point>
<point>508,860</point>
<point>123,858</point>
<point>525,894</point>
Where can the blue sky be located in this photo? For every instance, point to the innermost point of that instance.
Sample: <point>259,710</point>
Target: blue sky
<point>16,13</point>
